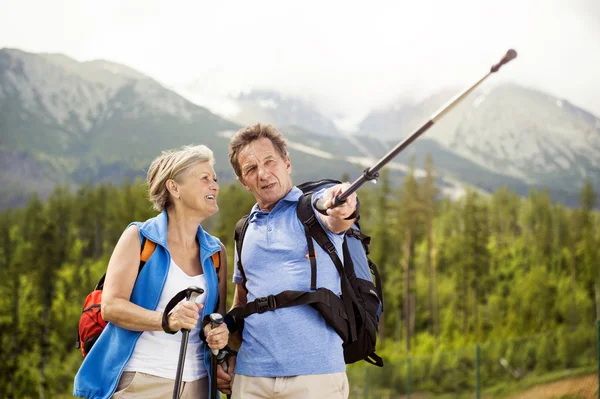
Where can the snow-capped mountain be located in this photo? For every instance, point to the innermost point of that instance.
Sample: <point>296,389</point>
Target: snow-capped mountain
<point>530,136</point>
<point>279,110</point>
<point>63,121</point>
<point>251,106</point>
<point>73,102</point>
<point>508,130</point>
<point>69,122</point>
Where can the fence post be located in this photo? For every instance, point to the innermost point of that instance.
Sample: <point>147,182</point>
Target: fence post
<point>366,386</point>
<point>477,375</point>
<point>408,379</point>
<point>598,355</point>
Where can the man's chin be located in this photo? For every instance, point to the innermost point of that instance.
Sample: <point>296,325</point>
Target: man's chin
<point>274,196</point>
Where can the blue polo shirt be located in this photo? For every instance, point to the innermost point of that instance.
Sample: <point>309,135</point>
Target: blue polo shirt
<point>295,340</point>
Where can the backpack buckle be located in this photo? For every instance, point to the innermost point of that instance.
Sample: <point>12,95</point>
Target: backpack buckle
<point>329,247</point>
<point>265,303</point>
<point>311,221</point>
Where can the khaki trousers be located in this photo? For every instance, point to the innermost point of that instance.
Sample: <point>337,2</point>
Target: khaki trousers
<point>136,385</point>
<point>315,386</point>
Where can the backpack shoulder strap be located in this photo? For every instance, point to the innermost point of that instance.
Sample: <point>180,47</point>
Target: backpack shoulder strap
<point>240,231</point>
<point>147,247</point>
<point>216,258</point>
<point>314,230</point>
<point>305,213</point>
<point>146,251</point>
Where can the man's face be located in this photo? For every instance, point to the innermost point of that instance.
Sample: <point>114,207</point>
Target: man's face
<point>265,173</point>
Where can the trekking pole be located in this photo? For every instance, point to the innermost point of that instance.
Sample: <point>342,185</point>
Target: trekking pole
<point>190,294</point>
<point>215,320</point>
<point>373,172</point>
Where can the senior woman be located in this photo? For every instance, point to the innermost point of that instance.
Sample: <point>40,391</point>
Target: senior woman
<point>136,355</point>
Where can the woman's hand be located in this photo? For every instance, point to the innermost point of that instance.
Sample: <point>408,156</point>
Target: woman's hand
<point>184,315</point>
<point>217,337</point>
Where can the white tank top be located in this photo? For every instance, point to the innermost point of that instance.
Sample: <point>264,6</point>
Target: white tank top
<point>157,352</point>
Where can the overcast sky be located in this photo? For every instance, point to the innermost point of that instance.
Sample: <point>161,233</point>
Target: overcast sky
<point>346,57</point>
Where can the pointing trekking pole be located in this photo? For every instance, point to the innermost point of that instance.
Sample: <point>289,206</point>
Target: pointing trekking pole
<point>191,293</point>
<point>215,320</point>
<point>373,172</point>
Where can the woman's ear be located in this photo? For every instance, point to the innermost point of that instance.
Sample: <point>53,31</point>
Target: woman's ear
<point>173,188</point>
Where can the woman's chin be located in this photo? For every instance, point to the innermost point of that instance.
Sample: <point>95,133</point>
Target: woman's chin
<point>214,209</point>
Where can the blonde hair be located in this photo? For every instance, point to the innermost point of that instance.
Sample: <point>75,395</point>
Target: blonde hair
<point>173,164</point>
<point>247,135</point>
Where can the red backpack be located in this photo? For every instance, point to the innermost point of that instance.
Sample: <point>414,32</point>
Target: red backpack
<point>91,322</point>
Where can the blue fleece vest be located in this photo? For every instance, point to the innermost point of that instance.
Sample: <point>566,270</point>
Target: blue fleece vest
<point>101,369</point>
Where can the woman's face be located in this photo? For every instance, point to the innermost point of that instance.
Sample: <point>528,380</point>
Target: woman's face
<point>198,190</point>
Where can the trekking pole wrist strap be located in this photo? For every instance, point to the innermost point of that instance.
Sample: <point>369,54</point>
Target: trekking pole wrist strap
<point>356,213</point>
<point>170,306</point>
<point>165,324</point>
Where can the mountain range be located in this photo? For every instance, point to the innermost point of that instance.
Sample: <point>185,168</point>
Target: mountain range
<point>69,122</point>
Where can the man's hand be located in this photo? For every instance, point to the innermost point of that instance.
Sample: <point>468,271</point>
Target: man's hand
<point>335,219</point>
<point>216,338</point>
<point>224,378</point>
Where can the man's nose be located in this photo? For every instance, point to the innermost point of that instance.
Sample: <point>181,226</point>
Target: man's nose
<point>262,172</point>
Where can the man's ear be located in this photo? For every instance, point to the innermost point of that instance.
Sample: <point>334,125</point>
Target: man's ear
<point>288,164</point>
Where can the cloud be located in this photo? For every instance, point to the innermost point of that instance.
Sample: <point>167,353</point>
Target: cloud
<point>346,57</point>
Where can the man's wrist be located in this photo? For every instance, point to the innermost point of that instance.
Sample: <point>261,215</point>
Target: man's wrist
<point>356,213</point>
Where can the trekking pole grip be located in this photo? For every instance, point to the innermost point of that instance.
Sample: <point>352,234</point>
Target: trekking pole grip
<point>192,293</point>
<point>215,320</point>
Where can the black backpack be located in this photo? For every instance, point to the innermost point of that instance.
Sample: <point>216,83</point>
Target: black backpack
<point>355,315</point>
